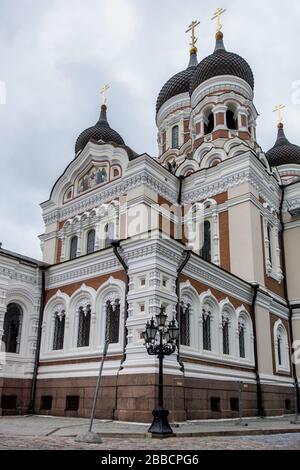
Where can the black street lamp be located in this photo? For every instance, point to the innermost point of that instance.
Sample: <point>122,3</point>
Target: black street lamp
<point>160,341</point>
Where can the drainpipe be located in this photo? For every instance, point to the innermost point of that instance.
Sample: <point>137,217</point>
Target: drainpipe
<point>116,245</point>
<point>260,408</point>
<point>179,271</point>
<point>181,178</point>
<point>286,294</point>
<point>31,409</point>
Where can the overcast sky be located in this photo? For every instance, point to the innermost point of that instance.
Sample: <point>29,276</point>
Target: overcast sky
<point>56,54</point>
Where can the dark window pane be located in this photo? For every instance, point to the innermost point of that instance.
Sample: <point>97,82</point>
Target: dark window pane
<point>72,403</point>
<point>84,325</point>
<point>206,249</point>
<point>215,404</point>
<point>59,332</point>
<point>175,137</point>
<point>242,341</point>
<point>113,321</point>
<point>185,325</point>
<point>9,402</point>
<point>234,404</point>
<point>91,242</point>
<point>206,332</point>
<point>46,402</point>
<point>279,349</point>
<point>73,248</point>
<point>12,328</point>
<point>225,337</point>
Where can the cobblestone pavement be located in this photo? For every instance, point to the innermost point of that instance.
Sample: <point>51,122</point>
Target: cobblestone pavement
<point>272,442</point>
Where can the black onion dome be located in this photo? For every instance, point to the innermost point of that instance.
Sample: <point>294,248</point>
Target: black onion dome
<point>221,62</point>
<point>179,83</point>
<point>100,131</point>
<point>283,152</point>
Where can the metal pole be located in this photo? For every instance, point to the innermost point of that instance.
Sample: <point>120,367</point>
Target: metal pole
<point>296,420</point>
<point>160,383</point>
<point>98,384</point>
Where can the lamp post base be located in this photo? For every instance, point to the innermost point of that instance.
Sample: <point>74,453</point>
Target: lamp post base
<point>160,427</point>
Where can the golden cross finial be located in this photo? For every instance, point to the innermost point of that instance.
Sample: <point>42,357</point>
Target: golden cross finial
<point>217,15</point>
<point>278,109</point>
<point>192,28</point>
<point>104,89</point>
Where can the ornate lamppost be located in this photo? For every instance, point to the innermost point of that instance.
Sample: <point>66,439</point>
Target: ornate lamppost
<point>161,341</point>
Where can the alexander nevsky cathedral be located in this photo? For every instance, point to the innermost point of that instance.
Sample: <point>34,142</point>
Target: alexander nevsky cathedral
<point>117,246</point>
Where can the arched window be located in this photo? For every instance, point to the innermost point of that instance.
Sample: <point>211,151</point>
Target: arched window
<point>109,234</point>
<point>209,127</point>
<point>59,331</point>
<point>12,328</point>
<point>185,325</point>
<point>242,332</point>
<point>231,120</point>
<point>73,247</point>
<point>91,242</point>
<point>206,319</point>
<point>113,321</point>
<point>206,249</point>
<point>225,331</point>
<point>175,137</point>
<point>84,325</point>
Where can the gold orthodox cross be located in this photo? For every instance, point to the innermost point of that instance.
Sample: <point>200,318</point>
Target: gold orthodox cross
<point>192,28</point>
<point>278,109</point>
<point>217,15</point>
<point>104,90</point>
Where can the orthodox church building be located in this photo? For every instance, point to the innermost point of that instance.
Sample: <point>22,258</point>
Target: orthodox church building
<point>117,245</point>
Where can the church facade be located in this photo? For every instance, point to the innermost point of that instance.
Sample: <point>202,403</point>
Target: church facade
<point>209,230</point>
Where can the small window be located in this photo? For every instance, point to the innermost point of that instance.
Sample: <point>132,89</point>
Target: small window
<point>72,403</point>
<point>234,404</point>
<point>142,307</point>
<point>116,172</point>
<point>165,282</point>
<point>9,402</point>
<point>73,248</point>
<point>46,402</point>
<point>175,137</point>
<point>288,405</point>
<point>143,281</point>
<point>91,242</point>
<point>215,404</point>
